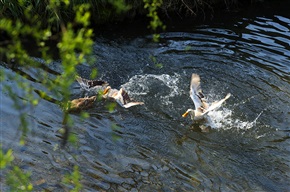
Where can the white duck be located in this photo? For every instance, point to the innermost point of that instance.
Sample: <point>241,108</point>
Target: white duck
<point>200,103</point>
<point>120,96</point>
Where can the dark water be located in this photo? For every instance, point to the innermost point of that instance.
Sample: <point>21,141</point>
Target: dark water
<point>151,147</point>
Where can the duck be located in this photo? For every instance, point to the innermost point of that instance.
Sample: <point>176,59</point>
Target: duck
<point>95,86</point>
<point>80,104</point>
<point>120,96</point>
<point>202,107</point>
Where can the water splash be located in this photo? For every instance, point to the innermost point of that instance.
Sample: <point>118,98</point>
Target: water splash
<point>225,119</point>
<point>168,95</point>
<point>164,86</point>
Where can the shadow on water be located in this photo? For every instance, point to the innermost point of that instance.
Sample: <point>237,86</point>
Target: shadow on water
<point>151,147</point>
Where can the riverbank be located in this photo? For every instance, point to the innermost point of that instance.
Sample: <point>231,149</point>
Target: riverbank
<point>172,15</point>
<point>102,12</point>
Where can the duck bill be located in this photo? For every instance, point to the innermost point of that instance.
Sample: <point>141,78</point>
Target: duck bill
<point>106,91</point>
<point>185,114</point>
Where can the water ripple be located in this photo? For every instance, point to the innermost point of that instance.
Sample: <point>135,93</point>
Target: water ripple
<point>151,147</point>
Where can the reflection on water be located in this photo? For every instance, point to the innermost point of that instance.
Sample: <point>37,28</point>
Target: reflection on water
<point>151,147</point>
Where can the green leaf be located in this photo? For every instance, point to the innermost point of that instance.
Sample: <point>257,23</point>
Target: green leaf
<point>6,159</point>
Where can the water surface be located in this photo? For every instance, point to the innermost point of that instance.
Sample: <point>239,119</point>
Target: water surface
<point>151,147</point>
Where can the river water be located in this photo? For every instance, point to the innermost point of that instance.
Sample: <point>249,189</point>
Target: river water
<point>151,147</point>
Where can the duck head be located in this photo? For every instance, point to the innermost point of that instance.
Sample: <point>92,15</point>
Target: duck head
<point>191,112</point>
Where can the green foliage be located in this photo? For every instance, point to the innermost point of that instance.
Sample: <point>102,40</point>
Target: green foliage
<point>156,63</point>
<point>82,14</point>
<point>152,6</point>
<point>38,21</point>
<point>54,13</point>
<point>73,179</point>
<point>16,179</point>
<point>2,75</point>
<point>94,73</point>
<point>6,159</point>
<point>74,47</point>
<point>111,106</point>
<point>72,138</point>
<point>84,115</point>
<point>19,180</point>
<point>120,5</point>
<point>115,127</point>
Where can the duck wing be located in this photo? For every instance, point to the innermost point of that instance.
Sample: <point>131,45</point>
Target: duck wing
<point>196,93</point>
<point>88,84</point>
<point>133,103</point>
<point>125,96</point>
<point>217,104</point>
<point>127,101</point>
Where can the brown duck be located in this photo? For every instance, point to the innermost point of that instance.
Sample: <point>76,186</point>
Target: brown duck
<point>80,104</point>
